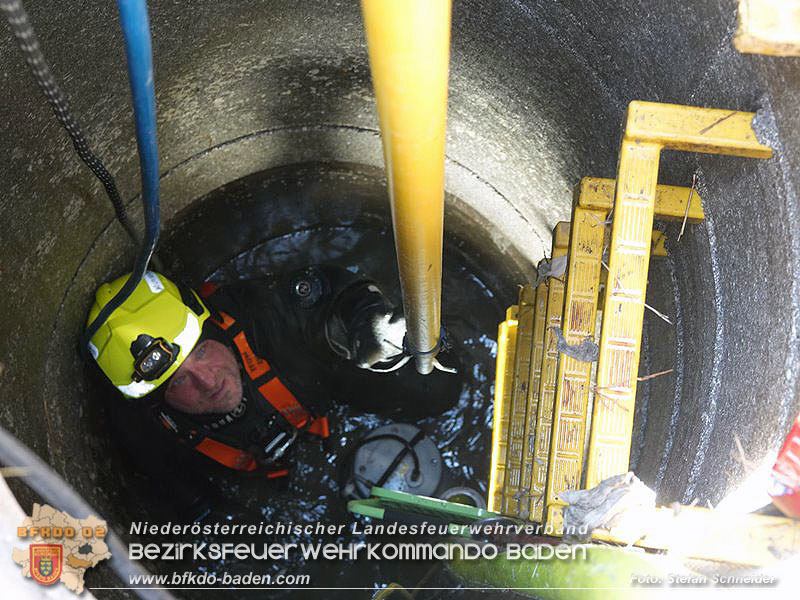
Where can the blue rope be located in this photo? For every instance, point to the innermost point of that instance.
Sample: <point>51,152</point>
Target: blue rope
<point>138,49</point>
<point>136,31</point>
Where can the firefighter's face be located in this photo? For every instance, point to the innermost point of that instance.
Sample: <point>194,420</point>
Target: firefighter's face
<point>208,381</point>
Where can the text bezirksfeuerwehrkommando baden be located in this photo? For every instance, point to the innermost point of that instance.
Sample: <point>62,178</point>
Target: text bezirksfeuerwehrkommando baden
<point>353,551</point>
<point>405,550</point>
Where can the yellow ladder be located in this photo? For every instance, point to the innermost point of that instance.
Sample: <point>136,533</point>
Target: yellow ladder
<point>595,197</point>
<point>521,422</point>
<point>649,128</point>
<point>544,410</point>
<point>541,396</point>
<point>573,380</point>
<point>504,376</point>
<point>519,400</point>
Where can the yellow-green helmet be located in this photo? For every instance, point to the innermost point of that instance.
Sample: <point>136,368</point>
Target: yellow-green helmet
<point>144,341</point>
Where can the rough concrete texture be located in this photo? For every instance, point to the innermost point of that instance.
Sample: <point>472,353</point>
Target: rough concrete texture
<point>538,92</point>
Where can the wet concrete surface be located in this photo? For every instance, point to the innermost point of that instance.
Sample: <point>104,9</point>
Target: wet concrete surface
<point>537,97</point>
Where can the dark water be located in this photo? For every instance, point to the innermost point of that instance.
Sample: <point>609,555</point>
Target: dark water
<point>284,219</point>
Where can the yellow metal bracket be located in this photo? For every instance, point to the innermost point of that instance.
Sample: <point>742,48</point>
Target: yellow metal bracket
<point>597,193</point>
<point>506,349</point>
<point>560,237</point>
<point>658,245</point>
<point>649,128</point>
<point>691,129</point>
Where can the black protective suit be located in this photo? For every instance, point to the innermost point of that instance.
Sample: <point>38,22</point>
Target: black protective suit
<point>308,327</point>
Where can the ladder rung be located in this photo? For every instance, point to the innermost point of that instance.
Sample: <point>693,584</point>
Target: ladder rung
<point>597,193</point>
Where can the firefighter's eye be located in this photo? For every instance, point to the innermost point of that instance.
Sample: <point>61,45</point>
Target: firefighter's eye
<point>178,380</point>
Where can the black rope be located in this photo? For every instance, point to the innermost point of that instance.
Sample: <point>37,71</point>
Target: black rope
<point>407,447</point>
<point>441,344</point>
<point>29,45</point>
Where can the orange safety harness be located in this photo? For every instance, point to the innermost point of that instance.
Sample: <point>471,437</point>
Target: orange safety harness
<point>263,379</point>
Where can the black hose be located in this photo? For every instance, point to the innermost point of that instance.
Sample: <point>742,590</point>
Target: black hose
<point>57,492</point>
<point>29,45</point>
<point>152,226</point>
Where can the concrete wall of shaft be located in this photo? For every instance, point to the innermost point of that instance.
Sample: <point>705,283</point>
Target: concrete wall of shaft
<point>409,53</point>
<point>537,92</point>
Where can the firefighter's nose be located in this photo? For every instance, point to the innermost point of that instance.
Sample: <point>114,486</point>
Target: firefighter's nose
<point>205,378</point>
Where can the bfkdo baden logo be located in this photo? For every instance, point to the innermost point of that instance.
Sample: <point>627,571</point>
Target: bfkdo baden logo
<point>62,547</point>
<point>45,562</point>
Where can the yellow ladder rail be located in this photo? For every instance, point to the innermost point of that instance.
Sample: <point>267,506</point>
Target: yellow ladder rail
<point>506,348</point>
<point>519,400</point>
<point>525,507</point>
<point>649,128</point>
<point>572,393</point>
<point>547,384</point>
<point>574,376</point>
<point>573,379</point>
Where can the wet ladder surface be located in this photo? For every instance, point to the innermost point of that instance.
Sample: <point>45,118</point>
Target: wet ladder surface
<point>544,441</point>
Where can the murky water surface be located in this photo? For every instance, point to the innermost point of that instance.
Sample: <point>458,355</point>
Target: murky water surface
<point>455,411</point>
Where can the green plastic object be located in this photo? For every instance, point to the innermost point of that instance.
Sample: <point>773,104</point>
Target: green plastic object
<point>602,572</point>
<point>423,505</point>
<point>403,502</point>
<point>371,507</point>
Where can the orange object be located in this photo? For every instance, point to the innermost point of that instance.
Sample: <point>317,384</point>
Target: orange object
<point>785,485</point>
<point>231,457</point>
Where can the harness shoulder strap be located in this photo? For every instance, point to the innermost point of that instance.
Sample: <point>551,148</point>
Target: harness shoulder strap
<point>215,449</point>
<point>266,381</point>
<point>269,386</point>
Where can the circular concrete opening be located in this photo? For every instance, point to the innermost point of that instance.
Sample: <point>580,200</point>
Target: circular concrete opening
<point>537,96</point>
